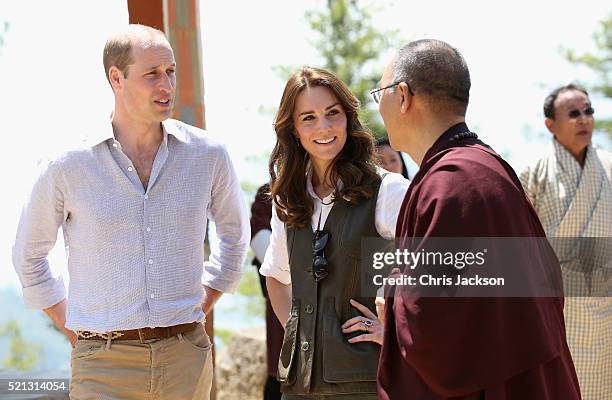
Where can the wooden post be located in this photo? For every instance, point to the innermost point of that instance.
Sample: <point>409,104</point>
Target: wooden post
<point>180,20</point>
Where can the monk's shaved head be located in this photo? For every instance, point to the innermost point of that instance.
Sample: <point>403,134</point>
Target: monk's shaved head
<point>118,48</point>
<point>435,69</point>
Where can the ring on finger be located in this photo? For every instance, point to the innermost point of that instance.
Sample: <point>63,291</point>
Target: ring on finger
<point>367,324</point>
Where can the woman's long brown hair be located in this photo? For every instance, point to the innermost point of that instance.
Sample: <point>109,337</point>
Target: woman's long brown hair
<point>354,166</point>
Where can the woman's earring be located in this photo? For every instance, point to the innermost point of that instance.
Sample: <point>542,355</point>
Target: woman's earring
<point>297,141</point>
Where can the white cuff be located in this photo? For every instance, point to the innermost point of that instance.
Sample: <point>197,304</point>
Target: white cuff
<point>44,294</point>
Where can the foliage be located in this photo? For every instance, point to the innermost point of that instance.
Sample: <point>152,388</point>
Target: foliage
<point>601,64</point>
<point>351,47</point>
<point>251,289</point>
<point>4,28</point>
<point>249,189</point>
<point>22,354</point>
<point>249,284</point>
<point>225,335</point>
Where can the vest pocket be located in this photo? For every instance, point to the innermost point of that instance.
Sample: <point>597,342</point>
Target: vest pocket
<point>286,367</point>
<point>344,361</point>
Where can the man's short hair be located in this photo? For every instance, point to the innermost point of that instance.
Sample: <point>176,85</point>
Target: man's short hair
<point>118,48</point>
<point>436,69</point>
<point>549,101</point>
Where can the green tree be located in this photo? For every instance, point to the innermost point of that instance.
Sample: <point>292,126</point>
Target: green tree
<point>4,27</point>
<point>601,63</point>
<point>251,289</point>
<point>351,48</point>
<point>22,354</point>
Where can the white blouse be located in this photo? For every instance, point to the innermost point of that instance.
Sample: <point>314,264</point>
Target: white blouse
<point>390,197</point>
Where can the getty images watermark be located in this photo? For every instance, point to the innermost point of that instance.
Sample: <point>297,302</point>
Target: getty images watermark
<point>487,267</point>
<point>30,386</point>
<point>412,260</point>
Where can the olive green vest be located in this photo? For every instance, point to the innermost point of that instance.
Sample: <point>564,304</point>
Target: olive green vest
<point>316,357</point>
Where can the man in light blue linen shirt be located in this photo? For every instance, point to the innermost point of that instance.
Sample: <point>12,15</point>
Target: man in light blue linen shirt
<point>133,206</point>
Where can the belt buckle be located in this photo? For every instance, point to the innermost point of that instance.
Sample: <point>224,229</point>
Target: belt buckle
<point>86,334</point>
<point>141,337</point>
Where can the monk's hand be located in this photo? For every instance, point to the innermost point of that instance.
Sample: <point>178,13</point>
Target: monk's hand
<point>368,323</point>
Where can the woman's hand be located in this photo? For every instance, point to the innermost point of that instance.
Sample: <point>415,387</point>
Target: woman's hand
<point>369,323</point>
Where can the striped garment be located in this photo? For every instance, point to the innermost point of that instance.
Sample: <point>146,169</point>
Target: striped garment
<point>574,204</point>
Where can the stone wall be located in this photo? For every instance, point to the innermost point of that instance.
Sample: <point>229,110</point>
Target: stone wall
<point>241,369</point>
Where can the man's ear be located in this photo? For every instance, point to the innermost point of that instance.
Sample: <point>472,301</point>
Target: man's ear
<point>115,77</point>
<point>549,122</point>
<point>405,97</point>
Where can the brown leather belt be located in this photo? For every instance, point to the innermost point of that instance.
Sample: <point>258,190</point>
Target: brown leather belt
<point>141,334</point>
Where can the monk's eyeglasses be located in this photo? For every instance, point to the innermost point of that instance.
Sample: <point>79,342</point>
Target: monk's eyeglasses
<point>319,262</point>
<point>587,112</point>
<point>377,93</point>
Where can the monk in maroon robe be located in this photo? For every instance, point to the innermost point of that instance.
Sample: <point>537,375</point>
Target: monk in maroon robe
<point>261,214</point>
<point>493,348</point>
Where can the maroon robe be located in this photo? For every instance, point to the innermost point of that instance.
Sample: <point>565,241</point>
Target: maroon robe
<point>496,348</point>
<point>261,214</point>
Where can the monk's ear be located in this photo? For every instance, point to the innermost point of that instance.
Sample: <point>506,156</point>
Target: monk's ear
<point>405,97</point>
<point>549,122</point>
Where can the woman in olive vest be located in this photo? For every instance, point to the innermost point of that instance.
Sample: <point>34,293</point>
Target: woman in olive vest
<point>328,195</point>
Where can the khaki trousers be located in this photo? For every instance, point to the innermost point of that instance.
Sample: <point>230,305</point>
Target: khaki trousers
<point>179,367</point>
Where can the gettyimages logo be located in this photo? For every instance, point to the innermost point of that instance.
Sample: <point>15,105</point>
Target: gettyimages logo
<point>487,267</point>
<point>412,260</point>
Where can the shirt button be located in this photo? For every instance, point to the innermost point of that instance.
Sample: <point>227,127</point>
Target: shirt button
<point>146,196</point>
<point>309,309</point>
<point>148,229</point>
<point>115,145</point>
<point>152,296</point>
<point>150,261</point>
<point>305,346</point>
<point>130,169</point>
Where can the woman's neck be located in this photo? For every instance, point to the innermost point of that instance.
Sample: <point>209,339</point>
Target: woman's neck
<point>322,188</point>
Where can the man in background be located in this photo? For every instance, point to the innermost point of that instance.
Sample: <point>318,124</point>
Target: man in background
<point>571,190</point>
<point>261,213</point>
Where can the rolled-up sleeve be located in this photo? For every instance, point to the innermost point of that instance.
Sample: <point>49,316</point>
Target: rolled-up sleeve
<point>228,210</point>
<point>276,261</point>
<point>41,217</point>
<point>391,195</point>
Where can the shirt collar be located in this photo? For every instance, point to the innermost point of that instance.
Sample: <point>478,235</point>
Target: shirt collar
<point>565,158</point>
<point>169,127</point>
<point>310,189</point>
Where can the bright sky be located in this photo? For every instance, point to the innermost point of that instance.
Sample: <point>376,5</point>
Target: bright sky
<point>55,92</point>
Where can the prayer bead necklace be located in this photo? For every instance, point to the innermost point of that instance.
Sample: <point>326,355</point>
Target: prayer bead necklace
<point>465,135</point>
